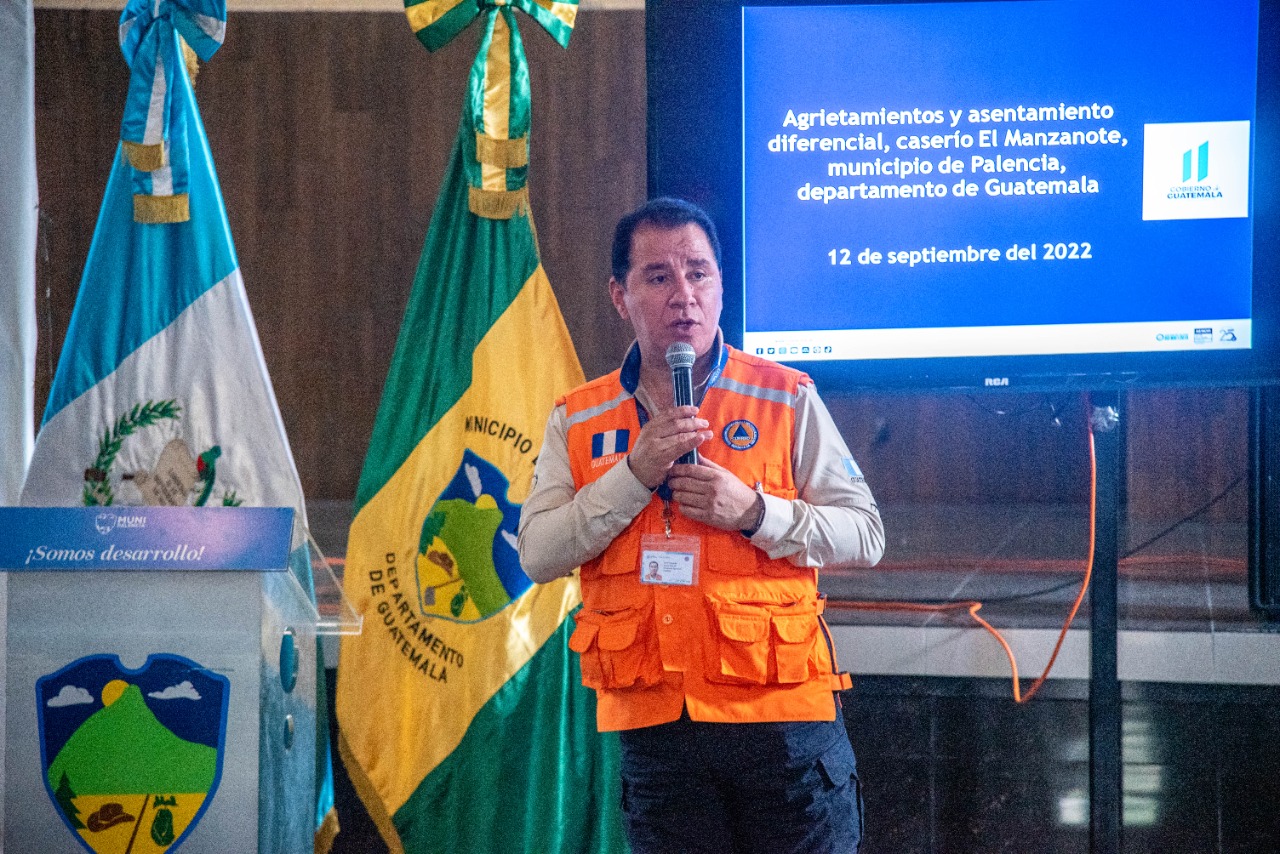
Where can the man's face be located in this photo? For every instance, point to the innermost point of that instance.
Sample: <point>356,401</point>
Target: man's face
<point>673,290</point>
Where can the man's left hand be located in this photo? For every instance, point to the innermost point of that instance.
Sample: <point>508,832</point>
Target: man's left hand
<point>713,495</point>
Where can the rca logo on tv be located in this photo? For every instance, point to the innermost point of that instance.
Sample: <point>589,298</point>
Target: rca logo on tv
<point>995,382</point>
<point>1195,170</point>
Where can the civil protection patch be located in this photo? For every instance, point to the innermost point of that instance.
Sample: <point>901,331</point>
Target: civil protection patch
<point>741,434</point>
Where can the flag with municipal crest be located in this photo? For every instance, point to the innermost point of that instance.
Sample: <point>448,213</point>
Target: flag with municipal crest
<point>161,395</point>
<point>463,722</point>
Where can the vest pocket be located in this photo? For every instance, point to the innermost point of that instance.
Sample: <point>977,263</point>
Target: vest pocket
<point>777,480</point>
<point>744,646</point>
<point>794,636</point>
<point>733,555</point>
<point>763,643</point>
<point>618,649</point>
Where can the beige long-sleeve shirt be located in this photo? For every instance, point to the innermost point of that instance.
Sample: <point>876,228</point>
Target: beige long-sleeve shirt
<point>832,522</point>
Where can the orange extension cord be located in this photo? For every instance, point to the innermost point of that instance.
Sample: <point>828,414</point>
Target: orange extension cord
<point>973,606</point>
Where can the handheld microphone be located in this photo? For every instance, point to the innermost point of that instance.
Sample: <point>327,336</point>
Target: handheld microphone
<point>680,359</point>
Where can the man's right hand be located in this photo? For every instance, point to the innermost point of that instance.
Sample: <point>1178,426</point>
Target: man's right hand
<point>668,436</point>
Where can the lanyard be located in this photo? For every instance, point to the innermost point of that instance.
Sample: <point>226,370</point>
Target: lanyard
<point>663,490</point>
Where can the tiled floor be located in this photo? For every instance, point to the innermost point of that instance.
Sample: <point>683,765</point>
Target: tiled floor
<point>952,766</point>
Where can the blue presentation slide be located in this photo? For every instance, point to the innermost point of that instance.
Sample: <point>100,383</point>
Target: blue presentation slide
<point>998,177</point>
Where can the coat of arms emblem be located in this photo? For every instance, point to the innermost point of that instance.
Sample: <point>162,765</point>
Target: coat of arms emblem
<point>167,474</point>
<point>468,568</point>
<point>132,758</point>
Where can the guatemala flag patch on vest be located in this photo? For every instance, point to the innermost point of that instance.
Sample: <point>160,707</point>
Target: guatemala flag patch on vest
<point>609,442</point>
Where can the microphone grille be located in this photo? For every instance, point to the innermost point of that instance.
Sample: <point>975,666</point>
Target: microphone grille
<point>680,355</point>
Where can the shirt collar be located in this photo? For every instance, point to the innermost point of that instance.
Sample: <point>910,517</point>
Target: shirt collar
<point>631,364</point>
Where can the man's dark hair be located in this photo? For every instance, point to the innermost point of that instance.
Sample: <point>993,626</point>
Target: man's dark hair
<point>665,212</point>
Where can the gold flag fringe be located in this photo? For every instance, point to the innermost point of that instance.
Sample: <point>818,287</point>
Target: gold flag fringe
<point>327,833</point>
<point>507,153</point>
<point>369,795</point>
<point>154,210</point>
<point>498,204</point>
<point>144,158</point>
<point>192,60</point>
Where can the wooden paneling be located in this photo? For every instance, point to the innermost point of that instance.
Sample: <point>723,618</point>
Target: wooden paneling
<point>1185,448</point>
<point>80,81</point>
<point>331,133</point>
<point>968,449</point>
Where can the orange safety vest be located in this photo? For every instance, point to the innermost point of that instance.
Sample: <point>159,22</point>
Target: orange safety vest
<point>747,642</point>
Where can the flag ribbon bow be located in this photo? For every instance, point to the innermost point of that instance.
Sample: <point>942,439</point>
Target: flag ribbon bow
<point>155,37</point>
<point>497,108</point>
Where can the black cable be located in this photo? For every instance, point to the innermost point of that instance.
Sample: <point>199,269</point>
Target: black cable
<point>985,601</point>
<point>1212,501</point>
<point>1032,594</point>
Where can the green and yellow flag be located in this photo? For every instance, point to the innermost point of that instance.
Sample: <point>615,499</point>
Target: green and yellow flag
<point>464,724</point>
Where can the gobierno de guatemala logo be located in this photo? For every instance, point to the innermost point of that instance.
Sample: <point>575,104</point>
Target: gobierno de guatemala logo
<point>132,758</point>
<point>1195,170</point>
<point>1195,161</point>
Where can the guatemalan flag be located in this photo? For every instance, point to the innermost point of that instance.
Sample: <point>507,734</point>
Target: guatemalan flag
<point>609,442</point>
<point>161,395</point>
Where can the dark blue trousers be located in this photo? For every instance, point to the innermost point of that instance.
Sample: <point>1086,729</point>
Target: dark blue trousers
<point>690,787</point>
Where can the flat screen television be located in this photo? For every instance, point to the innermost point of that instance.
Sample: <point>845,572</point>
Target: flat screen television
<point>1031,194</point>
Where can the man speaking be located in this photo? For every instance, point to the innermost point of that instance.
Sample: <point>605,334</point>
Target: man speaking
<point>717,668</point>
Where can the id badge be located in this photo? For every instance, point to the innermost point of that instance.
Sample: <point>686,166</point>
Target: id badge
<point>669,560</point>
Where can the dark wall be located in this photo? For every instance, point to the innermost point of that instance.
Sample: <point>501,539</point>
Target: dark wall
<point>330,133</point>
